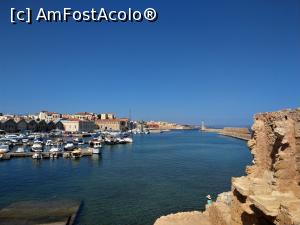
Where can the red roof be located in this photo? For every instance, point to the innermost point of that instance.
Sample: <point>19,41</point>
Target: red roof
<point>73,119</point>
<point>51,113</point>
<point>84,113</point>
<point>114,120</point>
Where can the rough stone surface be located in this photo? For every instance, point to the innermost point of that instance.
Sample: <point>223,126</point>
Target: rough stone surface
<point>270,193</point>
<point>184,218</point>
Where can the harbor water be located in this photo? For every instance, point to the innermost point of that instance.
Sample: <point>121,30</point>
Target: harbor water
<point>132,184</point>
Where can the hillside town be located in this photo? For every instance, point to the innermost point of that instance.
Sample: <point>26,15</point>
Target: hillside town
<point>46,121</point>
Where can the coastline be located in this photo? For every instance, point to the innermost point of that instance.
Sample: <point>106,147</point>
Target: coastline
<point>270,192</point>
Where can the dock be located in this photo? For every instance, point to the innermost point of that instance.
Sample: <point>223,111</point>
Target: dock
<point>54,212</point>
<point>45,155</point>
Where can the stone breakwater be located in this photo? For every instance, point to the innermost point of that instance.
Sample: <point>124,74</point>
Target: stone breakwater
<point>236,132</point>
<point>270,192</point>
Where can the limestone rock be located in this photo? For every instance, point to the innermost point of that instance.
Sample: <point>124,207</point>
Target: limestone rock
<point>270,193</point>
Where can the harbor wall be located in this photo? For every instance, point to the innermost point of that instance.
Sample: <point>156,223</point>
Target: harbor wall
<point>235,132</point>
<point>270,192</point>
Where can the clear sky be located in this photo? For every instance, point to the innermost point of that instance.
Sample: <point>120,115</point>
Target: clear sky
<point>213,60</point>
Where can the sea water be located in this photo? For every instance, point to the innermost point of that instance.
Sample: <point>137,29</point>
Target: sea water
<point>132,184</point>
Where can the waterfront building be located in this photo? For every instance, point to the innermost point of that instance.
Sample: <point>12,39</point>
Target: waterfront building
<point>42,126</point>
<point>107,116</point>
<point>30,117</point>
<point>66,116</point>
<point>162,125</point>
<point>77,125</point>
<point>59,125</point>
<point>113,124</point>
<point>22,125</point>
<point>6,117</point>
<point>9,126</point>
<point>49,116</point>
<point>51,126</point>
<point>32,125</point>
<point>84,116</point>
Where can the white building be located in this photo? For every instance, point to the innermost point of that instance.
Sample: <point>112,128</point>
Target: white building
<point>77,125</point>
<point>49,116</point>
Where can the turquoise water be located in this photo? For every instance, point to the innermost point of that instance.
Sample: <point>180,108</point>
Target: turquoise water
<point>135,183</point>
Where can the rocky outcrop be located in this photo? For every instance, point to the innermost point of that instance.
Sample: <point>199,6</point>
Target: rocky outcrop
<point>270,193</point>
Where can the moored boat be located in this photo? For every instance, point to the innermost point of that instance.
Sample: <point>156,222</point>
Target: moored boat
<point>128,140</point>
<point>55,149</point>
<point>76,154</point>
<point>49,143</point>
<point>69,146</point>
<point>37,155</point>
<point>37,147</point>
<point>20,150</point>
<point>97,147</point>
<point>4,148</point>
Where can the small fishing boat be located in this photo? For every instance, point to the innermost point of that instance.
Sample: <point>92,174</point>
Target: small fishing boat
<point>120,140</point>
<point>97,147</point>
<point>55,149</point>
<point>76,154</point>
<point>38,140</point>
<point>37,155</point>
<point>81,142</point>
<point>53,155</point>
<point>69,147</point>
<point>110,140</point>
<point>4,148</point>
<point>67,155</point>
<point>25,140</point>
<point>49,143</point>
<point>37,147</point>
<point>20,150</point>
<point>128,140</point>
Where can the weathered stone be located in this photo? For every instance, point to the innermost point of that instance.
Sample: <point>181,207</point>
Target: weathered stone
<point>270,193</point>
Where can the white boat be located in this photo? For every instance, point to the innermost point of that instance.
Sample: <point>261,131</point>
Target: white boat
<point>53,155</point>
<point>49,143</point>
<point>37,141</point>
<point>81,143</point>
<point>14,141</point>
<point>25,140</point>
<point>96,147</point>
<point>96,150</point>
<point>37,147</point>
<point>4,148</point>
<point>37,156</point>
<point>69,147</point>
<point>76,154</point>
<point>110,140</point>
<point>55,149</point>
<point>11,136</point>
<point>128,140</point>
<point>20,150</point>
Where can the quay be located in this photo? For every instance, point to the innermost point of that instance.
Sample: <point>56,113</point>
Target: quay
<point>45,155</point>
<point>234,132</point>
<point>54,212</point>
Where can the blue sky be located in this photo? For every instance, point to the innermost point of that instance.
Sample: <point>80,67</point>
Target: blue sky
<point>217,61</point>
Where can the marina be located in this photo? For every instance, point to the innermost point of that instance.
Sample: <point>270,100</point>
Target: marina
<point>131,183</point>
<point>52,146</point>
